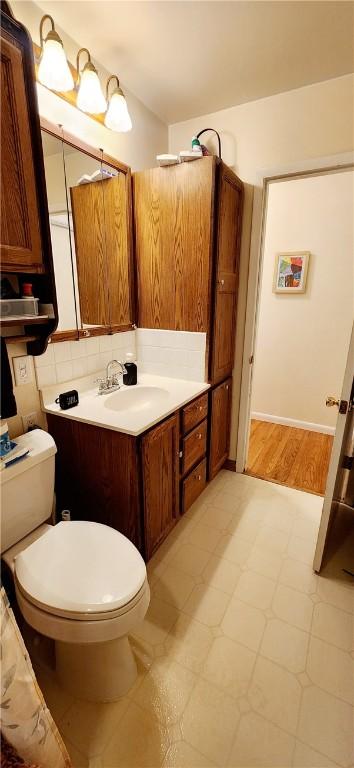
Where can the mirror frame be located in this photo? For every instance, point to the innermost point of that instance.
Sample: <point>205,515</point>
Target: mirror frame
<point>98,154</point>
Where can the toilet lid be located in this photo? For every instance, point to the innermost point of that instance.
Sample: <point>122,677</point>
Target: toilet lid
<point>82,567</point>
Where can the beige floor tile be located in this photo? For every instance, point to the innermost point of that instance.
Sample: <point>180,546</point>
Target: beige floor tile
<point>293,607</point>
<point>216,518</point>
<point>157,623</point>
<point>233,548</point>
<point>264,562</point>
<point>334,626</point>
<point>244,527</point>
<point>298,575</point>
<point>286,645</point>
<point>56,698</point>
<point>204,536</point>
<point>229,499</point>
<point>255,590</point>
<point>89,726</point>
<point>189,643</point>
<point>326,725</point>
<point>301,549</point>
<point>140,741</point>
<point>182,755</point>
<point>166,690</point>
<point>275,694</point>
<point>279,517</point>
<point>229,665</point>
<point>306,526</point>
<point>190,559</point>
<point>77,758</point>
<point>305,757</point>
<point>332,669</point>
<point>244,624</point>
<point>209,722</point>
<point>174,586</point>
<point>207,605</point>
<point>335,593</point>
<point>260,743</point>
<point>271,539</point>
<point>221,574</point>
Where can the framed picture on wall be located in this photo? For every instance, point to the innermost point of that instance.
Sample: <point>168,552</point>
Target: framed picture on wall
<point>290,272</point>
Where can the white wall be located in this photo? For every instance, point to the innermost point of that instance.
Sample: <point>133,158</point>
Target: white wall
<point>139,147</point>
<point>302,340</point>
<point>279,132</point>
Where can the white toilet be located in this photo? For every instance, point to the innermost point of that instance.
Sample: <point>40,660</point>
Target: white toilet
<point>80,583</point>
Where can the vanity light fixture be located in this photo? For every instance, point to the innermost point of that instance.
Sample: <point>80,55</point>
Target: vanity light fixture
<point>117,116</point>
<point>90,96</point>
<point>53,70</point>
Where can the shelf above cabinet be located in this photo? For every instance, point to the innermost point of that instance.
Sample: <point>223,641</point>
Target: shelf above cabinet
<point>7,322</point>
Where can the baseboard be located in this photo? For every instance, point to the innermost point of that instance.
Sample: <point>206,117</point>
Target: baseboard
<point>230,464</point>
<point>293,423</point>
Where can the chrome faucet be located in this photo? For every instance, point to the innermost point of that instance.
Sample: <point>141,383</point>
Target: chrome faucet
<point>111,382</point>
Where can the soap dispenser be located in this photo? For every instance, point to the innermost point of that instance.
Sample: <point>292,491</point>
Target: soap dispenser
<point>131,376</point>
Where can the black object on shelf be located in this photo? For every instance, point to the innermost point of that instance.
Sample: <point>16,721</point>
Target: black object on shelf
<point>214,131</point>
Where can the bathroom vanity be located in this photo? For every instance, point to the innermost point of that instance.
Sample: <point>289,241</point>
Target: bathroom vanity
<point>136,459</point>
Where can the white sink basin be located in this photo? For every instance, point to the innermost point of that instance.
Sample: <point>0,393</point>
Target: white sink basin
<point>136,399</point>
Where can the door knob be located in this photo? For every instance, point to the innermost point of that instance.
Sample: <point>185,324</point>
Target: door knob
<point>330,401</point>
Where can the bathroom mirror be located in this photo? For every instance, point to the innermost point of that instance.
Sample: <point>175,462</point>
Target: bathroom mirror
<point>60,225</point>
<point>89,198</point>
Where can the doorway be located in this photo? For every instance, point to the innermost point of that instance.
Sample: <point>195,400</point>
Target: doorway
<point>303,324</point>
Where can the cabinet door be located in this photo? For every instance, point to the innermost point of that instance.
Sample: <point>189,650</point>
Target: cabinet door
<point>230,204</point>
<point>21,246</point>
<point>220,426</point>
<point>160,457</point>
<point>120,272</point>
<point>90,249</point>
<point>173,211</point>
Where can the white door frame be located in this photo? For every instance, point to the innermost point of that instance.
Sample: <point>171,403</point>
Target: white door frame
<point>311,167</point>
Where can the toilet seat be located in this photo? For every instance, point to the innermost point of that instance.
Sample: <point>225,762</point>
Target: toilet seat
<point>81,570</point>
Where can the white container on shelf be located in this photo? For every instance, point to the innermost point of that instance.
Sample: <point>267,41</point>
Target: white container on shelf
<point>26,307</point>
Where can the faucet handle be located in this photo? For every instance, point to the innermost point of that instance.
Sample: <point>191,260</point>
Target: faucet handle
<point>102,384</point>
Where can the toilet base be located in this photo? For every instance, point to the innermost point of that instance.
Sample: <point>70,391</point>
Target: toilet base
<point>96,671</point>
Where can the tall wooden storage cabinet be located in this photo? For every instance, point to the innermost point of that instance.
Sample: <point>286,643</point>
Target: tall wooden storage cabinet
<point>188,220</point>
<point>25,236</point>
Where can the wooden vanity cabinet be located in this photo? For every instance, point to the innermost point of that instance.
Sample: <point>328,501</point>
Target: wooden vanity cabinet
<point>97,475</point>
<point>160,482</point>
<point>220,415</point>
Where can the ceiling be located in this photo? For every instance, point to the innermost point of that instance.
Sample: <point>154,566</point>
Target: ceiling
<point>184,59</point>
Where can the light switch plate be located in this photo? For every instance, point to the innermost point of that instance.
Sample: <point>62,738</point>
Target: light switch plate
<point>22,370</point>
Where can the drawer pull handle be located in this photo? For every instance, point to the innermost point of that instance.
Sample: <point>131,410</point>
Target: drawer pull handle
<point>200,407</point>
<point>197,477</point>
<point>199,436</point>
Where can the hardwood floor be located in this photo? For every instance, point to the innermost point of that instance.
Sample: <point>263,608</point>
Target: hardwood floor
<point>289,456</point>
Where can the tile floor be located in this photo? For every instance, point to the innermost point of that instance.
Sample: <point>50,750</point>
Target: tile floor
<point>246,658</point>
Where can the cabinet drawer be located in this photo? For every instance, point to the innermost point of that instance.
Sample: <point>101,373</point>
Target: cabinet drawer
<point>193,485</point>
<point>194,413</point>
<point>194,446</point>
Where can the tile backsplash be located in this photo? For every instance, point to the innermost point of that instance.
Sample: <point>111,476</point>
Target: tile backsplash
<point>68,360</point>
<point>179,354</point>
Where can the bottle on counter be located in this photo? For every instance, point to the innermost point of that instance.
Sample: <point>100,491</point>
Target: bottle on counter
<point>131,376</point>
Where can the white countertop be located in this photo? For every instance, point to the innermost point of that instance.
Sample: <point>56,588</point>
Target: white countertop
<point>158,397</point>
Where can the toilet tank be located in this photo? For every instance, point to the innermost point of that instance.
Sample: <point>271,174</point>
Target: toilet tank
<point>27,488</point>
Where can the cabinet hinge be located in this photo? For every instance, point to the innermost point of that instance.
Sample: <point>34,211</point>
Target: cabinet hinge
<point>347,462</point>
